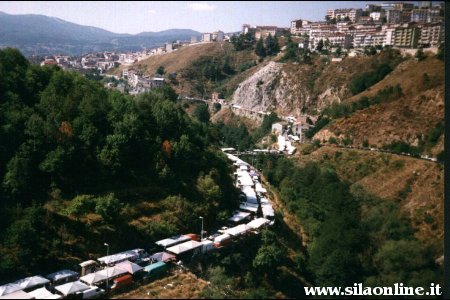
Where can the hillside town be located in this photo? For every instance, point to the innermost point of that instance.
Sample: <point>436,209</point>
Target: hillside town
<point>399,25</point>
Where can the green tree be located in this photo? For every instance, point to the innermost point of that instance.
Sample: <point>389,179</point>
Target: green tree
<point>201,112</point>
<point>272,46</point>
<point>319,46</point>
<point>260,50</point>
<point>227,69</point>
<point>268,258</point>
<point>291,50</point>
<point>108,206</point>
<point>160,70</point>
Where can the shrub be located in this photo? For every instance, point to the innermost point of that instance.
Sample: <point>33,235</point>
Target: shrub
<point>81,205</point>
<point>365,143</point>
<point>366,80</point>
<point>318,126</point>
<point>109,207</point>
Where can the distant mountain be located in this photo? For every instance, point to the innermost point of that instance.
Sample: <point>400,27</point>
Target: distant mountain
<point>38,34</point>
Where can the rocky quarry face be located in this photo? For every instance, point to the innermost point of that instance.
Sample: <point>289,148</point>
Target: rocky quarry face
<point>256,92</point>
<point>287,90</point>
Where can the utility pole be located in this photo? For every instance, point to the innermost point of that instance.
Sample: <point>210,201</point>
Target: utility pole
<point>107,277</point>
<point>201,233</point>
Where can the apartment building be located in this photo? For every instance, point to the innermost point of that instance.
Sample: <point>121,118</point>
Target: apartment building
<point>406,36</point>
<point>342,13</point>
<point>431,34</point>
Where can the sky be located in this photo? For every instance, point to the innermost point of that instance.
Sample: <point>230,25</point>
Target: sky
<point>204,16</point>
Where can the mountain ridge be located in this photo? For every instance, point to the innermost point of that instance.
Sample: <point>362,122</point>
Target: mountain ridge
<point>41,35</point>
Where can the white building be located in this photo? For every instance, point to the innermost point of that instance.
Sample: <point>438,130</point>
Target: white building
<point>206,37</point>
<point>343,13</point>
<point>218,36</point>
<point>377,15</point>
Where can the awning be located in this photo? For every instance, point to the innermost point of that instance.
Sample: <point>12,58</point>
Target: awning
<point>257,223</point>
<point>71,288</point>
<point>154,266</point>
<point>163,256</point>
<point>9,288</point>
<point>237,230</point>
<point>32,281</point>
<point>173,240</point>
<point>251,207</point>
<point>129,267</point>
<point>112,272</point>
<point>43,293</point>
<point>17,295</point>
<point>122,256</point>
<point>61,275</point>
<point>239,216</point>
<point>184,247</point>
<point>93,278</point>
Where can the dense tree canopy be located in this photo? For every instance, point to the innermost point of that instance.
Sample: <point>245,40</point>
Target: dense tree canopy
<point>62,133</point>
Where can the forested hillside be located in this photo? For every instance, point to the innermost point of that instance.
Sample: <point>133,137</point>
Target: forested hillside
<point>81,165</point>
<point>352,236</point>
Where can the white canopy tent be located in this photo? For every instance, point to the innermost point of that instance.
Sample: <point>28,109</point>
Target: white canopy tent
<point>244,178</point>
<point>71,288</point>
<point>112,272</point>
<point>268,211</point>
<point>43,293</point>
<point>9,288</point>
<point>17,295</point>
<point>237,230</point>
<point>184,247</point>
<point>32,281</point>
<point>258,223</point>
<point>122,256</point>
<point>173,240</point>
<point>93,278</point>
<point>264,200</point>
<point>250,194</point>
<point>239,216</point>
<point>129,267</point>
<point>250,207</point>
<point>259,188</point>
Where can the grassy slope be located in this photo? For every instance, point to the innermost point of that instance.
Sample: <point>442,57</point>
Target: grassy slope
<point>417,112</point>
<point>187,57</point>
<point>183,286</point>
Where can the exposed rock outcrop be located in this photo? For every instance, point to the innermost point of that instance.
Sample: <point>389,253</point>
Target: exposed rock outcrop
<point>256,92</point>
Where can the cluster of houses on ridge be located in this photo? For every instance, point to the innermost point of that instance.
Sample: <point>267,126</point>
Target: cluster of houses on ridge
<point>122,270</point>
<point>395,24</point>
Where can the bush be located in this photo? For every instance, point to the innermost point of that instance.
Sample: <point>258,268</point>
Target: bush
<point>201,113</point>
<point>217,107</point>
<point>109,207</point>
<point>366,80</point>
<point>365,143</point>
<point>322,122</point>
<point>81,205</point>
<point>246,66</point>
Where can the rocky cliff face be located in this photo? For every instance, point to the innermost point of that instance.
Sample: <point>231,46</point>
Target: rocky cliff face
<point>291,89</point>
<point>256,92</point>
